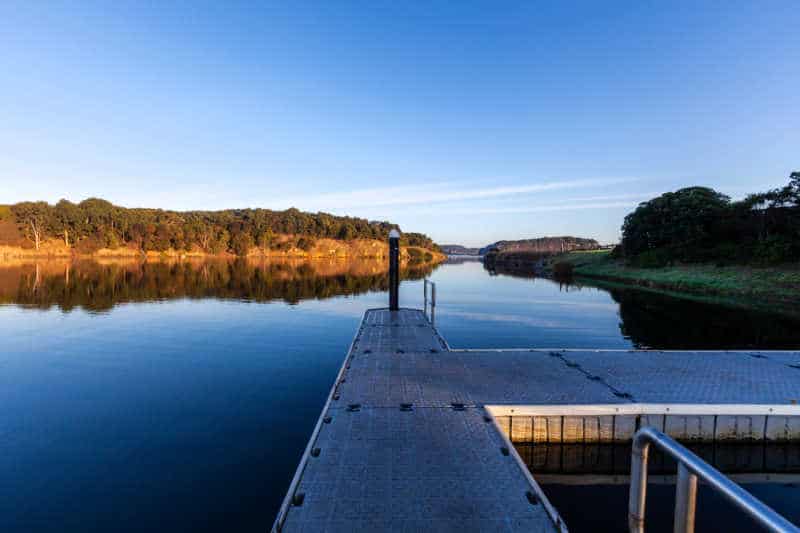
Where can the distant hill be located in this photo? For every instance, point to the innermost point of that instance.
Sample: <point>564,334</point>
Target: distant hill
<point>457,249</point>
<point>541,245</point>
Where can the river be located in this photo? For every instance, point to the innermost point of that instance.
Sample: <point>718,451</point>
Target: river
<point>179,396</point>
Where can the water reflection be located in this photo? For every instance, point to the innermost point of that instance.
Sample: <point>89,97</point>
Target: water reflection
<point>529,267</point>
<point>615,459</point>
<point>589,484</point>
<point>652,319</point>
<point>100,285</point>
<point>534,311</point>
<point>656,320</point>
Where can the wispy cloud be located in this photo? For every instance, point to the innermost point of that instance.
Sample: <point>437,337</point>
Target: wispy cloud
<point>638,196</point>
<point>542,208</point>
<point>436,193</point>
<point>495,317</point>
<point>442,211</point>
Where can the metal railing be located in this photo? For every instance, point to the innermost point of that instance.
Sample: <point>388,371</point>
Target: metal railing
<point>432,316</point>
<point>690,467</point>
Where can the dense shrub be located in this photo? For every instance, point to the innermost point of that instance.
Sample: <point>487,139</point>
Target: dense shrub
<point>242,243</point>
<point>562,269</point>
<point>305,243</point>
<point>775,249</point>
<point>88,245</point>
<point>652,258</point>
<point>414,255</point>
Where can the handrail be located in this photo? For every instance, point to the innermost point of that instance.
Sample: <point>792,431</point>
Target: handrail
<point>690,467</point>
<point>425,284</point>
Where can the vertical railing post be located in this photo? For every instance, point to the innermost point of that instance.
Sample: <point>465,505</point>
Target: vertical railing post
<point>690,468</point>
<point>425,296</point>
<point>638,492</point>
<point>685,500</point>
<point>394,270</point>
<point>433,304</point>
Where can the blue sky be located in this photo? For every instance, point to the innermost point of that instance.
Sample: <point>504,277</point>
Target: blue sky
<point>469,121</point>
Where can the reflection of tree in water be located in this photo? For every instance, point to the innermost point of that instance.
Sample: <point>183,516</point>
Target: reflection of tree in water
<point>529,266</point>
<point>461,259</point>
<point>653,320</point>
<point>98,287</point>
<point>526,271</point>
<point>515,270</point>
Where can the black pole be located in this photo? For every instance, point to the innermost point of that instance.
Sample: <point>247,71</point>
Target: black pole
<point>394,269</point>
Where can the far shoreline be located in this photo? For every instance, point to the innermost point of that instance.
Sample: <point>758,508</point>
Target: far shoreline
<point>410,254</point>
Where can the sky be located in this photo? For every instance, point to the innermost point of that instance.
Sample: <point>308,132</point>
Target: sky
<point>468,121</point>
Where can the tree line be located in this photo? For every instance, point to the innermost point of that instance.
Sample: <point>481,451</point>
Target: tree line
<point>95,223</point>
<point>699,224</point>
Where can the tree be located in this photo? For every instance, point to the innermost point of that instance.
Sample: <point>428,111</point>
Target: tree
<point>98,212</point>
<point>220,241</point>
<point>69,219</point>
<point>162,240</point>
<point>305,243</point>
<point>242,243</point>
<point>774,219</point>
<point>95,223</point>
<point>265,239</point>
<point>786,196</point>
<point>347,232</point>
<point>678,220</point>
<point>34,217</point>
<point>698,224</point>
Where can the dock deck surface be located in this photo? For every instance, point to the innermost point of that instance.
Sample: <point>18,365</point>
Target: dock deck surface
<point>405,442</point>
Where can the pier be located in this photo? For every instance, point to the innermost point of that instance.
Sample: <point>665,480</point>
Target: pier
<point>418,436</point>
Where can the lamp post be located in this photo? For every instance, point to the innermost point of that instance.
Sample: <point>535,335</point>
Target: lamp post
<point>394,269</point>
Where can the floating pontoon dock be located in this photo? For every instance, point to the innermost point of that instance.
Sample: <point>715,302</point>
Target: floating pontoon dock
<point>416,436</point>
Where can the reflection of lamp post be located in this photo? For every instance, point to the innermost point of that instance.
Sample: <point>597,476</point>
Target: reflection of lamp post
<point>394,269</point>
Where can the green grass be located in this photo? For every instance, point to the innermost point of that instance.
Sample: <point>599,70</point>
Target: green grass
<point>780,284</point>
<point>5,212</point>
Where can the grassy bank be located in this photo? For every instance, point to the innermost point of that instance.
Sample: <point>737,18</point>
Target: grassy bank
<point>777,285</point>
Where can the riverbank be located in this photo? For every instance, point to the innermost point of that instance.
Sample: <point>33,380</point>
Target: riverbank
<point>321,249</point>
<point>778,285</point>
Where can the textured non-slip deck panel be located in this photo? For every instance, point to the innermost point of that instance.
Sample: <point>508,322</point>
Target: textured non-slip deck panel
<point>405,330</point>
<point>431,467</point>
<point>397,339</point>
<point>377,467</point>
<point>475,378</point>
<point>694,377</point>
<point>428,469</point>
<point>402,317</point>
<point>398,357</point>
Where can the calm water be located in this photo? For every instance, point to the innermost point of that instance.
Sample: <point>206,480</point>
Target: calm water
<point>589,484</point>
<point>600,507</point>
<point>180,396</point>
